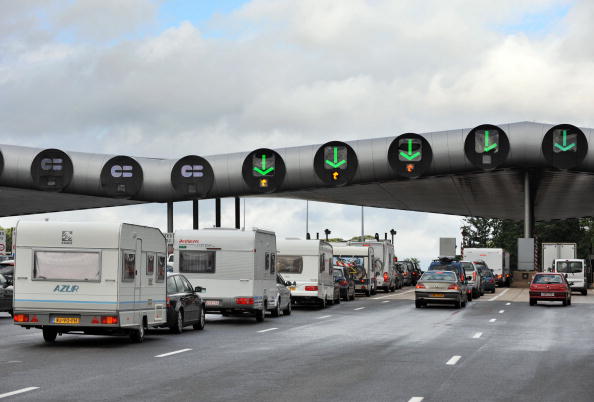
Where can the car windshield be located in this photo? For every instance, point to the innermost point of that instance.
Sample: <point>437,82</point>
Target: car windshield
<point>545,279</point>
<point>439,276</point>
<point>569,267</point>
<point>440,267</point>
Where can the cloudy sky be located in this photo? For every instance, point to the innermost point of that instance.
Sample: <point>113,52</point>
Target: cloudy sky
<point>169,78</point>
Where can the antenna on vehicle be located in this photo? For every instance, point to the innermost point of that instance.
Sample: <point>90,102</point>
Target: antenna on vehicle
<point>308,236</point>
<point>317,236</point>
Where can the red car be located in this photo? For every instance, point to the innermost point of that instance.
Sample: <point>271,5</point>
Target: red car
<point>550,287</point>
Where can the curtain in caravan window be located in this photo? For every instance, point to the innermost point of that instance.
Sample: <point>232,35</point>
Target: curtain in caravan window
<point>267,262</point>
<point>272,263</point>
<point>129,266</point>
<point>160,268</point>
<point>150,264</point>
<point>67,265</point>
<point>288,264</point>
<point>197,262</point>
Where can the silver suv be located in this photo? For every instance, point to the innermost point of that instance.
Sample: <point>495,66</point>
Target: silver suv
<point>474,279</point>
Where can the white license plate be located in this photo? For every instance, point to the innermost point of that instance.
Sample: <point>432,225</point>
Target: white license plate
<point>547,294</point>
<point>212,302</point>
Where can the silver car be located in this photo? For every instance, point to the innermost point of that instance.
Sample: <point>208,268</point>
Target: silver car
<point>474,278</point>
<point>440,287</point>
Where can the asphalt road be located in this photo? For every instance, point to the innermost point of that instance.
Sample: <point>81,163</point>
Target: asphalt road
<point>373,349</point>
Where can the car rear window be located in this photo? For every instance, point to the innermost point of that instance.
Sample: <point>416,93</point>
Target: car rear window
<point>338,274</point>
<point>468,267</point>
<point>544,279</point>
<point>439,276</point>
<point>569,267</point>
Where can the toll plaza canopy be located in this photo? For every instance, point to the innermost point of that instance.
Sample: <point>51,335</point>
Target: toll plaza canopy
<point>488,171</point>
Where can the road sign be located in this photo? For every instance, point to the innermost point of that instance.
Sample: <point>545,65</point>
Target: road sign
<point>51,170</point>
<point>335,163</point>
<point>192,177</point>
<point>410,155</point>
<point>564,146</point>
<point>263,170</point>
<point>486,146</point>
<point>121,177</point>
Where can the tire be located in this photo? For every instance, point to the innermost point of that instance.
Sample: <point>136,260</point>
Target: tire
<point>475,294</point>
<point>564,302</point>
<point>178,325</point>
<point>584,291</point>
<point>323,303</point>
<point>463,304</point>
<point>532,302</point>
<point>277,310</point>
<point>393,289</point>
<point>49,334</point>
<point>469,297</point>
<point>337,301</point>
<point>569,301</point>
<point>493,291</point>
<point>367,293</point>
<point>418,304</point>
<point>287,311</point>
<point>137,335</point>
<point>260,315</point>
<point>482,293</point>
<point>199,325</point>
<point>352,298</point>
<point>458,304</point>
<point>346,296</point>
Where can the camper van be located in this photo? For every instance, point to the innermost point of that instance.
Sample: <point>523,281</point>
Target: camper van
<point>308,265</point>
<point>91,278</point>
<point>358,260</point>
<point>575,272</point>
<point>384,268</point>
<point>237,268</point>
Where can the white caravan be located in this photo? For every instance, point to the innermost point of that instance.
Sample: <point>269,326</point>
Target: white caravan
<point>91,278</point>
<point>237,268</point>
<point>383,251</point>
<point>575,271</point>
<point>307,264</point>
<point>496,259</point>
<point>359,260</point>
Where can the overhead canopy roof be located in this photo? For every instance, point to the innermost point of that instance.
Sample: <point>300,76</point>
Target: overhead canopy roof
<point>473,172</point>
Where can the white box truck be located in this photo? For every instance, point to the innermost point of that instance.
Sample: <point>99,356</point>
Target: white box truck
<point>497,259</point>
<point>383,252</point>
<point>91,278</point>
<point>308,265</point>
<point>556,251</point>
<point>359,260</point>
<point>237,268</point>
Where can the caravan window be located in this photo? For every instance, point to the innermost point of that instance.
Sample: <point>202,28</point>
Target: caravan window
<point>150,264</point>
<point>129,266</point>
<point>67,265</point>
<point>289,264</point>
<point>272,263</point>
<point>322,263</point>
<point>197,262</point>
<point>267,262</point>
<point>161,263</point>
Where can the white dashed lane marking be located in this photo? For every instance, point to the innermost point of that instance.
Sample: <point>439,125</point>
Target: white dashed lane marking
<point>267,330</point>
<point>416,399</point>
<point>501,311</point>
<point>493,320</point>
<point>359,308</point>
<point>477,335</point>
<point>324,316</point>
<point>453,360</point>
<point>508,304</point>
<point>174,352</point>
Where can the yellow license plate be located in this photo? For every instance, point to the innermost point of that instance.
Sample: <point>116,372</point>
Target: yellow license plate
<point>67,320</point>
<point>292,288</point>
<point>437,295</point>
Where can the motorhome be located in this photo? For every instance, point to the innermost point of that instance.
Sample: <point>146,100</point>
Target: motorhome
<point>575,272</point>
<point>237,268</point>
<point>359,261</point>
<point>91,278</point>
<point>383,251</point>
<point>308,265</point>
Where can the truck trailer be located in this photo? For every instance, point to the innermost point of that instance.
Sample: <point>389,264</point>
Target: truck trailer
<point>496,259</point>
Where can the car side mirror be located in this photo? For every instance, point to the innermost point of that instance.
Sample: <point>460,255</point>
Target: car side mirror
<point>288,283</point>
<point>199,289</point>
<point>469,278</point>
<point>570,283</point>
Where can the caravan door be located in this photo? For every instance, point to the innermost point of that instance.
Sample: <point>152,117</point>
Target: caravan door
<point>138,303</point>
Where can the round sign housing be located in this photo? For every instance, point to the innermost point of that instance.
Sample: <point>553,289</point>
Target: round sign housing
<point>263,170</point>
<point>336,163</point>
<point>121,177</point>
<point>486,146</point>
<point>192,177</point>
<point>564,146</point>
<point>51,170</point>
<point>410,155</point>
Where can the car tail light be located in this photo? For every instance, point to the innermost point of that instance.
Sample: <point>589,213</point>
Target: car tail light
<point>405,274</point>
<point>21,317</point>
<point>386,277</point>
<point>95,320</point>
<point>167,302</point>
<point>498,276</point>
<point>453,287</point>
<point>109,319</point>
<point>462,278</point>
<point>311,288</point>
<point>420,286</point>
<point>474,276</point>
<point>34,319</point>
<point>362,280</point>
<point>491,280</point>
<point>244,300</point>
<point>343,283</point>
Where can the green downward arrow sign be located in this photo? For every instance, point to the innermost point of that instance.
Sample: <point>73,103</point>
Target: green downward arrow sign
<point>565,147</point>
<point>410,156</point>
<point>487,146</point>
<point>263,171</point>
<point>336,163</point>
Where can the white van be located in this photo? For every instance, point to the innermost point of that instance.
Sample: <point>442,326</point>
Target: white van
<point>359,260</point>
<point>237,268</point>
<point>385,271</point>
<point>307,264</point>
<point>575,271</point>
<point>91,278</point>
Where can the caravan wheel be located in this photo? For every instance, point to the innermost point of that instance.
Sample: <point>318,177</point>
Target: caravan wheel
<point>137,336</point>
<point>260,314</point>
<point>49,335</point>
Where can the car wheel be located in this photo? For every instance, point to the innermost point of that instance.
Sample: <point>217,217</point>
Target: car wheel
<point>463,304</point>
<point>569,301</point>
<point>49,335</point>
<point>469,297</point>
<point>367,293</point>
<point>199,325</point>
<point>178,324</point>
<point>418,304</point>
<point>287,311</point>
<point>260,314</point>
<point>458,304</point>
<point>564,302</point>
<point>584,291</point>
<point>493,290</point>
<point>337,301</point>
<point>353,296</point>
<point>277,310</point>
<point>482,292</point>
<point>137,335</point>
<point>532,302</point>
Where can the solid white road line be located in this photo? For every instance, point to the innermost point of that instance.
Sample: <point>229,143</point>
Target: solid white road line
<point>499,295</point>
<point>508,304</point>
<point>501,311</point>
<point>173,353</point>
<point>267,330</point>
<point>324,316</point>
<point>19,391</point>
<point>493,320</point>
<point>416,399</point>
<point>359,308</point>
<point>403,293</point>
<point>453,360</point>
<point>477,335</point>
